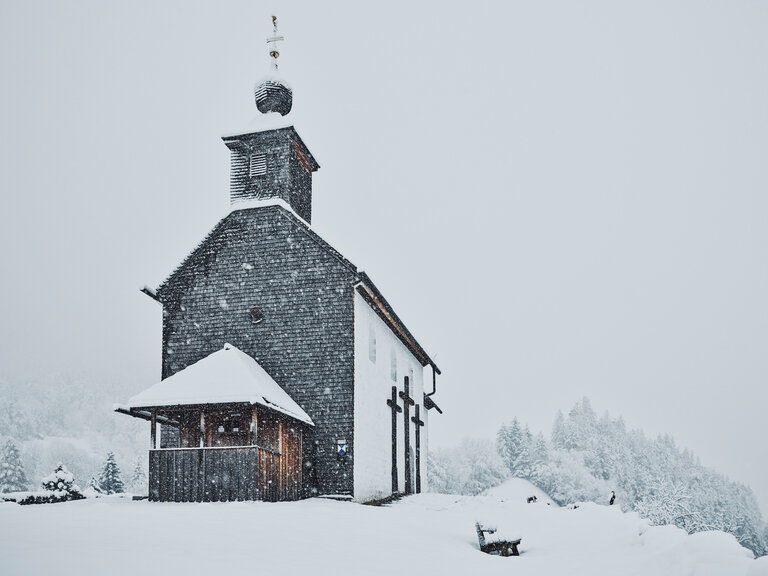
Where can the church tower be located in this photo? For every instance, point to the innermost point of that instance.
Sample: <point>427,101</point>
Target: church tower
<point>272,164</point>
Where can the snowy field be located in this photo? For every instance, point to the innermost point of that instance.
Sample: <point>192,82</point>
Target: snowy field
<point>427,534</point>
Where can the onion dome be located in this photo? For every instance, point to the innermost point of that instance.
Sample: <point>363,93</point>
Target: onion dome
<point>273,95</point>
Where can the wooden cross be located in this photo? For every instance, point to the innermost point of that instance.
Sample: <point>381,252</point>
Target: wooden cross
<point>392,403</point>
<point>407,403</point>
<point>419,423</point>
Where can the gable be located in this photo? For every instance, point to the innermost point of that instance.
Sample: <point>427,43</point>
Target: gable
<point>241,225</point>
<point>256,224</point>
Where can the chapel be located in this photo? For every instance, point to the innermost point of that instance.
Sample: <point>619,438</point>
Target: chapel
<point>285,372</point>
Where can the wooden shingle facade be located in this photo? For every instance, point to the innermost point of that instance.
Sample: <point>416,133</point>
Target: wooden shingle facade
<point>265,258</point>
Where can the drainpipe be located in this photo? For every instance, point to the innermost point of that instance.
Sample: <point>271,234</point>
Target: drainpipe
<point>434,381</point>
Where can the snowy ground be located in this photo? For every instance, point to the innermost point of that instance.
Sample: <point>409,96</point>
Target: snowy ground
<point>428,533</point>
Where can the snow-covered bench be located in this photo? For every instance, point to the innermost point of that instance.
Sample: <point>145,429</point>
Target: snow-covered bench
<point>496,547</point>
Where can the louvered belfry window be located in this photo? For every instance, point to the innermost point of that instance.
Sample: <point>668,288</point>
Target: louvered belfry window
<point>258,165</point>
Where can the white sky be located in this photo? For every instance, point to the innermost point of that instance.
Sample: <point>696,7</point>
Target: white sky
<point>560,199</point>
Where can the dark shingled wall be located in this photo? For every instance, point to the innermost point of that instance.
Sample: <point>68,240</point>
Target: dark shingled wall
<point>286,177</point>
<point>265,257</point>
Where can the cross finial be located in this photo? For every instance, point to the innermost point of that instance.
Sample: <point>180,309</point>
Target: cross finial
<point>272,41</point>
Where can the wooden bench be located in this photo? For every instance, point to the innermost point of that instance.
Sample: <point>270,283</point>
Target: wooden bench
<point>496,547</point>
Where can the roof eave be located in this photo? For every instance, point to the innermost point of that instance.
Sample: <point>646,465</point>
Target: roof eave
<point>376,299</point>
<point>237,142</point>
<point>145,412</point>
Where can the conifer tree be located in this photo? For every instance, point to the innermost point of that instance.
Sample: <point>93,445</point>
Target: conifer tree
<point>139,477</point>
<point>510,444</point>
<point>539,460</point>
<point>12,476</point>
<point>60,484</point>
<point>109,480</point>
<point>94,485</point>
<point>558,432</point>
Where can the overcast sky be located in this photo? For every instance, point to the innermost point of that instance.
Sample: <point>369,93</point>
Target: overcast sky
<point>561,199</point>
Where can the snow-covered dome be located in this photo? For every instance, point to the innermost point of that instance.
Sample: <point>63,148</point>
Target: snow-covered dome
<point>273,95</point>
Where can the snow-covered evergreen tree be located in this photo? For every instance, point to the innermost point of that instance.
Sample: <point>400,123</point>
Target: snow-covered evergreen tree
<point>12,476</point>
<point>437,472</point>
<point>94,487</point>
<point>138,478</point>
<point>539,460</point>
<point>60,487</point>
<point>558,432</point>
<point>109,480</point>
<point>581,430</point>
<point>513,446</point>
<point>482,465</point>
<point>468,469</point>
<point>669,503</point>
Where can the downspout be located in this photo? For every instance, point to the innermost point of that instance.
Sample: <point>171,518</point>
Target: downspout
<point>434,381</point>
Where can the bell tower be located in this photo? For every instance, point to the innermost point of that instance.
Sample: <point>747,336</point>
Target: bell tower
<point>273,162</point>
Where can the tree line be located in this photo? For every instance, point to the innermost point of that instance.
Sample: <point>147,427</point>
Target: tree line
<point>13,478</point>
<point>587,457</point>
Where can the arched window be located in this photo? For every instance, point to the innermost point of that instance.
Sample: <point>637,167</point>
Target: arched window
<point>372,344</point>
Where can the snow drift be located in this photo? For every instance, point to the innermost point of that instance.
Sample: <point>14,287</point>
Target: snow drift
<point>427,533</point>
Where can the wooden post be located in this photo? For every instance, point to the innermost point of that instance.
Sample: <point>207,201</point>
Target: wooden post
<point>202,429</point>
<point>407,403</point>
<point>392,403</point>
<point>281,461</point>
<point>419,423</point>
<point>153,431</point>
<point>254,427</point>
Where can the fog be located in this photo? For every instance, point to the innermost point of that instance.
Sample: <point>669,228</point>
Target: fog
<point>559,199</point>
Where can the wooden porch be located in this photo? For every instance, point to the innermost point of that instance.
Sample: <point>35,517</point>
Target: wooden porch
<point>228,432</point>
<point>223,474</point>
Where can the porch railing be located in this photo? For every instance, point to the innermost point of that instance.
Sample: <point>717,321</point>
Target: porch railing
<point>220,475</point>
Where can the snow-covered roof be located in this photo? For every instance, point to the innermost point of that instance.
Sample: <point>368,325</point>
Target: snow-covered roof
<point>263,203</point>
<point>261,123</point>
<point>226,376</point>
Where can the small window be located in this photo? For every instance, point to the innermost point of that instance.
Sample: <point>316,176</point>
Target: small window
<point>393,365</point>
<point>257,315</point>
<point>372,345</point>
<point>258,165</point>
<point>230,424</point>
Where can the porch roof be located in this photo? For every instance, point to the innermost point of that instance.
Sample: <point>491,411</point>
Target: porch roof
<point>226,376</point>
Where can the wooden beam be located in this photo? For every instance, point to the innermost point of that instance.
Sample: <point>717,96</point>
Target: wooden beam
<point>407,402</point>
<point>153,431</point>
<point>145,415</point>
<point>254,427</point>
<point>392,403</point>
<point>419,423</point>
<point>283,455</point>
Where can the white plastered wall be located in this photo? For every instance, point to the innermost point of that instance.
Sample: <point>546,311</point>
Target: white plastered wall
<point>373,418</point>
